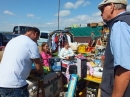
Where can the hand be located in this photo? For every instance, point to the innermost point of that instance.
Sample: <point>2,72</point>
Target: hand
<point>49,52</point>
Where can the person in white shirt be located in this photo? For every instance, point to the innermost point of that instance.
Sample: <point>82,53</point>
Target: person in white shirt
<point>16,64</point>
<point>66,52</point>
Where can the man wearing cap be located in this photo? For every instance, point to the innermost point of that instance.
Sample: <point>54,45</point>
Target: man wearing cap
<point>116,74</point>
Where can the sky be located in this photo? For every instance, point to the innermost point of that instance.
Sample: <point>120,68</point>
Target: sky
<point>44,13</point>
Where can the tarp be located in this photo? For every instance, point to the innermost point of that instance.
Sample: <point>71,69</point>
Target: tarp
<point>86,31</point>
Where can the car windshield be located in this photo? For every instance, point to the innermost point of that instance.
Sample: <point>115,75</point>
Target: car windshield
<point>9,36</point>
<point>20,29</point>
<point>44,35</point>
<point>14,36</point>
<point>23,29</point>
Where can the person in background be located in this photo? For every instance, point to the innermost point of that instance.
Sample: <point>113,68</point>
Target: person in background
<point>45,54</point>
<point>99,41</point>
<point>16,64</point>
<point>66,52</point>
<point>105,33</point>
<point>93,39</point>
<point>116,72</point>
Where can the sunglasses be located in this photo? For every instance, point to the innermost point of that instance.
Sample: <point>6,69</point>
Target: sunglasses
<point>102,8</point>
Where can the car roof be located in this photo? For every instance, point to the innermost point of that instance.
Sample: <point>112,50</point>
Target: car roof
<point>45,31</point>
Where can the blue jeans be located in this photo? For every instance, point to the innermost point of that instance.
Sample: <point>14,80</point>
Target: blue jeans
<point>14,92</point>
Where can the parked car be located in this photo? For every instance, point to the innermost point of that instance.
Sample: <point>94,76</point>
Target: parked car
<point>1,39</point>
<point>20,29</point>
<point>43,37</point>
<point>8,37</point>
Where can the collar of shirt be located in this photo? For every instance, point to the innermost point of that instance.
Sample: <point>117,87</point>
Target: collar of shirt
<point>121,12</point>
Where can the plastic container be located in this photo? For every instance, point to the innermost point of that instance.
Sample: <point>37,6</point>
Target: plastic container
<point>33,66</point>
<point>96,72</point>
<point>82,48</point>
<point>46,69</point>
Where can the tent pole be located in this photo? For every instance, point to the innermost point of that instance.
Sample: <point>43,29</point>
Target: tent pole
<point>58,13</point>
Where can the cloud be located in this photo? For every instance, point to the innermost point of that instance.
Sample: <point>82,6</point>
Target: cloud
<point>66,22</point>
<point>63,13</point>
<point>77,4</point>
<point>30,15</point>
<point>86,3</point>
<point>69,5</point>
<point>8,12</point>
<point>53,25</point>
<point>49,23</point>
<point>97,14</point>
<point>128,8</point>
<point>81,19</point>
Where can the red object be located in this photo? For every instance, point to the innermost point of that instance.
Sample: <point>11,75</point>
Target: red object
<point>98,42</point>
<point>64,65</point>
<point>88,50</point>
<point>89,43</point>
<point>103,57</point>
<point>56,38</point>
<point>80,56</point>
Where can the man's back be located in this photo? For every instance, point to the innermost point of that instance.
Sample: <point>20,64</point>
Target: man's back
<point>16,62</point>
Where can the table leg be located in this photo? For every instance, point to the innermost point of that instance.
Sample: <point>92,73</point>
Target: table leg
<point>38,89</point>
<point>42,87</point>
<point>99,92</point>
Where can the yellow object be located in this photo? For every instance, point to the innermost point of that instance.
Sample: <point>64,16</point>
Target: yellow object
<point>82,48</point>
<point>46,69</point>
<point>93,79</point>
<point>82,93</point>
<point>107,31</point>
<point>92,64</point>
<point>99,92</point>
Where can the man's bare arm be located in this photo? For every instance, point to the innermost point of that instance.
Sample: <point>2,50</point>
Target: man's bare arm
<point>122,78</point>
<point>39,67</point>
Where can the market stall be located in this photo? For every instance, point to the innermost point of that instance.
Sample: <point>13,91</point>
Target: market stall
<point>89,70</point>
<point>57,38</point>
<point>95,61</point>
<point>89,63</point>
<point>52,83</point>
